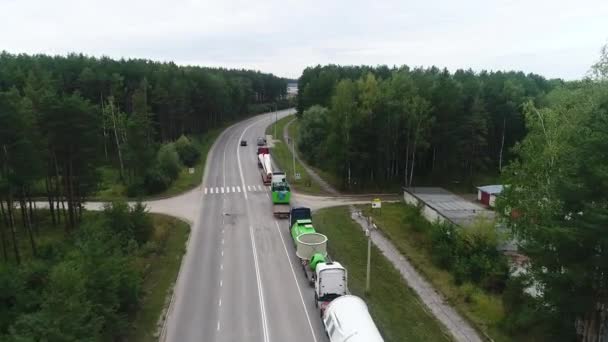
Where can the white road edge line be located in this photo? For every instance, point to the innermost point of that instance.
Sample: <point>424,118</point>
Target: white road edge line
<point>255,254</point>
<point>293,272</point>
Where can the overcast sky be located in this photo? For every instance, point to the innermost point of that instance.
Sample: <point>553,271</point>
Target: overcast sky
<point>554,38</point>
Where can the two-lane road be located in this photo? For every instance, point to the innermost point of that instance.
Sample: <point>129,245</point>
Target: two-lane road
<point>240,280</point>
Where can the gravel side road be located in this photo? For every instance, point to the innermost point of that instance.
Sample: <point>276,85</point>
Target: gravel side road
<point>460,329</point>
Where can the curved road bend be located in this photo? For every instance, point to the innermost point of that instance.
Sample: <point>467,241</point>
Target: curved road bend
<point>239,279</point>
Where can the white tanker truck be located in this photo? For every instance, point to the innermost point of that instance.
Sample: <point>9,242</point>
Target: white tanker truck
<point>346,318</point>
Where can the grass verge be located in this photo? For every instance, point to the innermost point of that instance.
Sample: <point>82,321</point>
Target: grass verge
<point>396,309</point>
<point>284,158</point>
<point>484,310</point>
<point>161,273</point>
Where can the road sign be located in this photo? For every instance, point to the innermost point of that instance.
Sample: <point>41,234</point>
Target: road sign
<point>376,203</point>
<point>298,176</point>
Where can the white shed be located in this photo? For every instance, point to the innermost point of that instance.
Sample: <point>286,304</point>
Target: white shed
<point>487,194</point>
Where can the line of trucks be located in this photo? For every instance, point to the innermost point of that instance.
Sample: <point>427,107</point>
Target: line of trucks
<point>345,317</point>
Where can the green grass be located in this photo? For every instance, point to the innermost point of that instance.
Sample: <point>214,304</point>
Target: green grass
<point>161,275</point>
<point>396,309</point>
<point>484,310</point>
<point>284,158</point>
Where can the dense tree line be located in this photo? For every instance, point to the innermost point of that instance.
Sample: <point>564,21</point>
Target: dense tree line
<point>61,118</point>
<point>557,206</point>
<point>179,99</point>
<point>79,289</point>
<point>384,125</point>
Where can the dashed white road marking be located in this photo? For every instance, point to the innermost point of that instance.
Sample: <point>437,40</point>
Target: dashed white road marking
<point>238,189</point>
<point>233,189</point>
<point>221,283</point>
<point>211,190</point>
<point>227,189</point>
<point>255,256</point>
<point>248,188</point>
<point>217,190</point>
<point>220,303</point>
<point>293,272</point>
<point>222,189</point>
<point>221,266</point>
<point>260,187</point>
<point>218,325</point>
<point>205,191</point>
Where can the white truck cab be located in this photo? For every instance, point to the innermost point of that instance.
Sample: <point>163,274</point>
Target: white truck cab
<point>330,283</point>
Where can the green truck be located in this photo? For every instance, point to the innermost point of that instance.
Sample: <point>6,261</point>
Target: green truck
<point>281,196</point>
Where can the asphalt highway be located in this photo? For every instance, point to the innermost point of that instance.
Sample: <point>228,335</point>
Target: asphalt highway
<point>240,279</point>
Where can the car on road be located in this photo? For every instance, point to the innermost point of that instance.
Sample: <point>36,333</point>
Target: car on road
<point>261,141</point>
<point>243,142</point>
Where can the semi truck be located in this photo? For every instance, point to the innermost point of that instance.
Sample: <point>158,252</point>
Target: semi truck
<point>279,177</point>
<point>329,278</point>
<point>331,282</point>
<point>266,167</point>
<point>299,213</point>
<point>261,150</point>
<point>281,195</point>
<point>347,318</point>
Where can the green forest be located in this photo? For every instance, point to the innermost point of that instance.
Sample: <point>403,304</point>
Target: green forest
<point>66,122</point>
<point>412,126</point>
<point>63,120</point>
<point>546,140</point>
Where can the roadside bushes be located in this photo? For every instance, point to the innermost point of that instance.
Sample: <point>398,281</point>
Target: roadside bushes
<point>166,169</point>
<point>470,253</point>
<point>168,161</point>
<point>188,153</point>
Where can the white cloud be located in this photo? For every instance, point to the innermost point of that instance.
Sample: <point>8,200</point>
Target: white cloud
<point>556,38</point>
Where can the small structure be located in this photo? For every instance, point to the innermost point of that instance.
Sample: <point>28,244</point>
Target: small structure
<point>487,194</point>
<point>440,205</point>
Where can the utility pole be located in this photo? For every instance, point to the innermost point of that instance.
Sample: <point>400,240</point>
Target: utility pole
<point>275,121</point>
<point>293,155</point>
